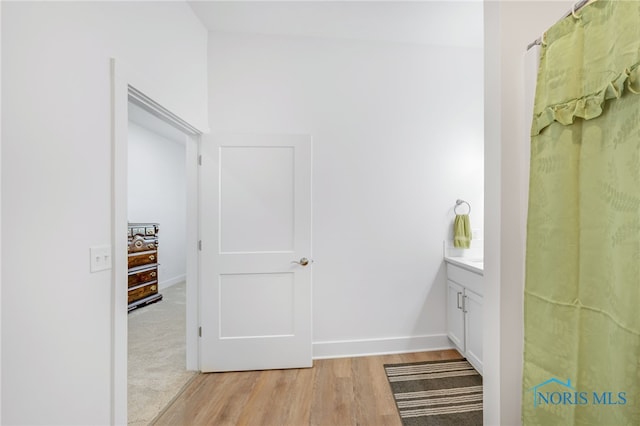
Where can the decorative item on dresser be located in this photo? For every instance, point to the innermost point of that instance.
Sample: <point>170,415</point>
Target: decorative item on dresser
<point>143,265</point>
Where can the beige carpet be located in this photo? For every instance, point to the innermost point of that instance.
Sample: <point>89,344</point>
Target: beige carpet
<point>156,355</point>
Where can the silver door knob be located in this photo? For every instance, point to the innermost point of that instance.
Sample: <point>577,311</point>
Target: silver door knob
<point>303,262</point>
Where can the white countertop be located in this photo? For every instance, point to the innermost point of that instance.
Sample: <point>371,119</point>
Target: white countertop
<point>469,263</point>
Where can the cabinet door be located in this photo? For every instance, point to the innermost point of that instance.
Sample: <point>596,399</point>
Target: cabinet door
<point>473,328</point>
<point>455,316</point>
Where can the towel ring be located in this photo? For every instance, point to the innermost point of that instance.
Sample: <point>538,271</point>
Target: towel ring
<point>458,203</point>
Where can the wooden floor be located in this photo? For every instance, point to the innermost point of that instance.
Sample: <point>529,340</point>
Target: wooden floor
<point>345,391</point>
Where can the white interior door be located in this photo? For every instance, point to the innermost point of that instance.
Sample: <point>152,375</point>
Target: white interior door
<point>255,221</point>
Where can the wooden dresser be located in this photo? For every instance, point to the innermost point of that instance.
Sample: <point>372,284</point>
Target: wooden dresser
<point>143,264</point>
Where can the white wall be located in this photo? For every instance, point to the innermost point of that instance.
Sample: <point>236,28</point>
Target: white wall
<point>56,187</point>
<point>398,138</point>
<point>157,193</point>
<point>509,28</point>
<point>1,214</point>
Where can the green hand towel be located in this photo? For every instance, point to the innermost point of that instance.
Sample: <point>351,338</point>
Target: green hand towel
<point>461,231</point>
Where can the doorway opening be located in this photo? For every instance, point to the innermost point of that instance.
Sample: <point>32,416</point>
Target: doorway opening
<point>124,95</point>
<point>157,213</point>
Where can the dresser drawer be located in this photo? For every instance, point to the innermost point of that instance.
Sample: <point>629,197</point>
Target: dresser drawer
<point>143,276</point>
<point>148,229</point>
<point>140,243</point>
<point>144,258</point>
<point>143,291</point>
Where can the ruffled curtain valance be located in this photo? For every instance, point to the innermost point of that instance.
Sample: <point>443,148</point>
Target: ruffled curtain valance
<point>590,106</point>
<point>609,68</point>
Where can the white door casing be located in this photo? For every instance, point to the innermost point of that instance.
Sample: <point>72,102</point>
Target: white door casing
<point>255,222</point>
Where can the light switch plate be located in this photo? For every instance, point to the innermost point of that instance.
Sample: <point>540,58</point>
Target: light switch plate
<point>100,258</point>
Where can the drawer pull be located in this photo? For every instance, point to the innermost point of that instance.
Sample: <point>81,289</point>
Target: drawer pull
<point>151,246</point>
<point>153,274</point>
<point>152,257</point>
<point>153,288</point>
<point>138,244</point>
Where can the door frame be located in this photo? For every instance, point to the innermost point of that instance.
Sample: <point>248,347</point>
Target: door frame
<point>124,87</point>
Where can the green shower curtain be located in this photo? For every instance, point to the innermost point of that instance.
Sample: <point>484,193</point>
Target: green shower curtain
<point>582,290</point>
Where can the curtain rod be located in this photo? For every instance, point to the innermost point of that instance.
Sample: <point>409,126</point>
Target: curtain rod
<point>577,6</point>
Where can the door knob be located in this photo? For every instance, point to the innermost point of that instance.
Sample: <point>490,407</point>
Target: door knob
<point>303,262</point>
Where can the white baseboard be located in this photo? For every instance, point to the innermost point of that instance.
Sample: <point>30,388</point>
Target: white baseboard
<point>172,281</point>
<point>390,345</point>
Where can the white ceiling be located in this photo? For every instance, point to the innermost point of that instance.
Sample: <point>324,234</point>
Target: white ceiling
<point>145,119</point>
<point>445,23</point>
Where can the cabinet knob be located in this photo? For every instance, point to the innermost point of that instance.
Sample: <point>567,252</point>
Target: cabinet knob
<point>153,274</point>
<point>152,257</point>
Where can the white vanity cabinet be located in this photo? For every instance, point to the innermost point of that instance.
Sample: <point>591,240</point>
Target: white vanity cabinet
<point>455,315</point>
<point>473,328</point>
<point>464,310</point>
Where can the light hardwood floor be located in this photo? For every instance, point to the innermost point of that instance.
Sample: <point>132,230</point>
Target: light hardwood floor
<point>344,391</point>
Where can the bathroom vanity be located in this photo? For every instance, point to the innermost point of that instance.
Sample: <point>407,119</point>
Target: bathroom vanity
<point>464,307</point>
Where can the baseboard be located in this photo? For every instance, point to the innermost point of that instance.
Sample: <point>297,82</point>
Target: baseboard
<point>172,281</point>
<point>390,345</point>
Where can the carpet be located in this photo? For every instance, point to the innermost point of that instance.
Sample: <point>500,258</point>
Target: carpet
<point>437,393</point>
<point>157,355</point>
